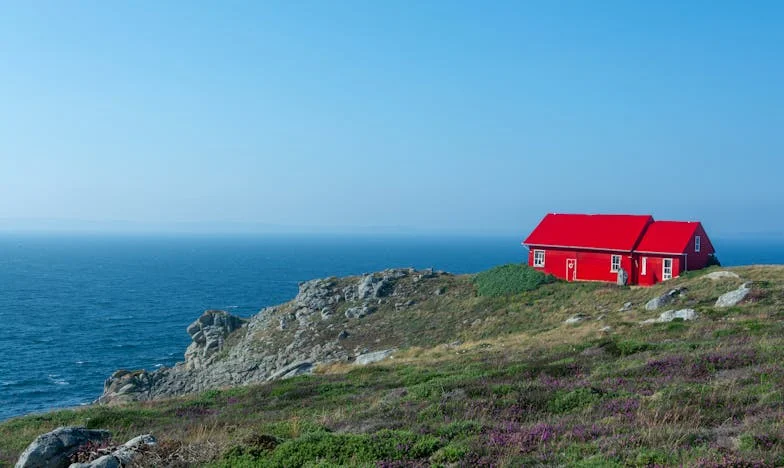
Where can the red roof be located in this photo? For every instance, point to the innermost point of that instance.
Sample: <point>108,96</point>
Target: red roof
<point>601,232</point>
<point>673,237</point>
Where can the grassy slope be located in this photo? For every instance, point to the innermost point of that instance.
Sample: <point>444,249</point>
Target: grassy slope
<point>521,387</point>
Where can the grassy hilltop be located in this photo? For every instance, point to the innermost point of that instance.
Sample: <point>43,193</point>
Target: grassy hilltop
<point>489,373</point>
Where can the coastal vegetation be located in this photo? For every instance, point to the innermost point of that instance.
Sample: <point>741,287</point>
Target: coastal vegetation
<point>509,279</point>
<point>491,374</point>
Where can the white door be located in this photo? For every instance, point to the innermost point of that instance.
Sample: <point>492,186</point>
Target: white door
<point>666,268</point>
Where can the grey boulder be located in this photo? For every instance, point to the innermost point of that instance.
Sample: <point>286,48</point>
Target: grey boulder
<point>734,297</point>
<point>53,449</point>
<point>358,312</point>
<point>664,299</point>
<point>623,278</point>
<point>577,318</point>
<point>670,315</point>
<point>293,370</point>
<point>368,358</point>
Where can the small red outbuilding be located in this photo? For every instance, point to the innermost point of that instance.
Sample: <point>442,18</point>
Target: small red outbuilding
<point>580,247</point>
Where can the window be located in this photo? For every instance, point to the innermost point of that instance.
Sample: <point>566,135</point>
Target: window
<point>667,268</point>
<point>538,258</point>
<point>615,263</point>
<point>644,269</point>
<point>697,243</point>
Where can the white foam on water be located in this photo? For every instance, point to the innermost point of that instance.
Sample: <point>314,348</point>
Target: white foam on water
<point>57,380</point>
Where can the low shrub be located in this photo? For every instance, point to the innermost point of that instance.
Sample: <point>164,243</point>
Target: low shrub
<point>513,278</point>
<point>459,429</point>
<point>626,347</point>
<point>749,442</point>
<point>451,453</point>
<point>341,449</point>
<point>652,457</point>
<point>564,402</point>
<point>253,446</point>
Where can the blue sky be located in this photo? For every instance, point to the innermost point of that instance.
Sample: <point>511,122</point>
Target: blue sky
<point>459,117</point>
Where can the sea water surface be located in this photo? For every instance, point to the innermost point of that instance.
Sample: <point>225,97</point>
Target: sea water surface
<point>75,308</point>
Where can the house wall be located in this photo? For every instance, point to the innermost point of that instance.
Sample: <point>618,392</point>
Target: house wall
<point>698,260</point>
<point>591,265</point>
<point>595,266</point>
<point>655,268</point>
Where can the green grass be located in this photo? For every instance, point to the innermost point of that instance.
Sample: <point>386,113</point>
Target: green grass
<point>521,389</point>
<point>513,278</point>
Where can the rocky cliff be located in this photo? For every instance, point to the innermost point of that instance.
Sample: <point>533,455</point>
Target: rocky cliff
<point>330,320</point>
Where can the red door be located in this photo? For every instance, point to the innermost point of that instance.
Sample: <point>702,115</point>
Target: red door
<point>571,269</point>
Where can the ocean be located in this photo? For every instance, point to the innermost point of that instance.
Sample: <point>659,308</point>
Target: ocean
<point>75,308</point>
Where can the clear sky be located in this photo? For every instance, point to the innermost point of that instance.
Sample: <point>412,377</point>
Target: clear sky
<point>428,116</point>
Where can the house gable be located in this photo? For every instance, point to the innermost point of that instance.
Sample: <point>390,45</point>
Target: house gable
<point>673,238</point>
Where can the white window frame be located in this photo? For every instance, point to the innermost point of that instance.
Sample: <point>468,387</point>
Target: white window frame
<point>613,268</point>
<point>665,275</point>
<point>644,269</point>
<point>697,242</point>
<point>537,263</point>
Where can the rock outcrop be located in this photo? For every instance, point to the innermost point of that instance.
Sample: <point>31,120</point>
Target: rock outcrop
<point>208,333</point>
<point>54,449</point>
<point>577,318</point>
<point>664,299</point>
<point>292,370</point>
<point>320,325</point>
<point>670,315</point>
<point>359,312</point>
<point>734,297</point>
<point>369,358</point>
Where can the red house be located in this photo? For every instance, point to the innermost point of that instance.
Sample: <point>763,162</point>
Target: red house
<point>580,247</point>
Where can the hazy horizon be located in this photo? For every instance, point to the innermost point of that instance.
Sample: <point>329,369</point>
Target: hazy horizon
<point>445,117</point>
<point>92,227</point>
